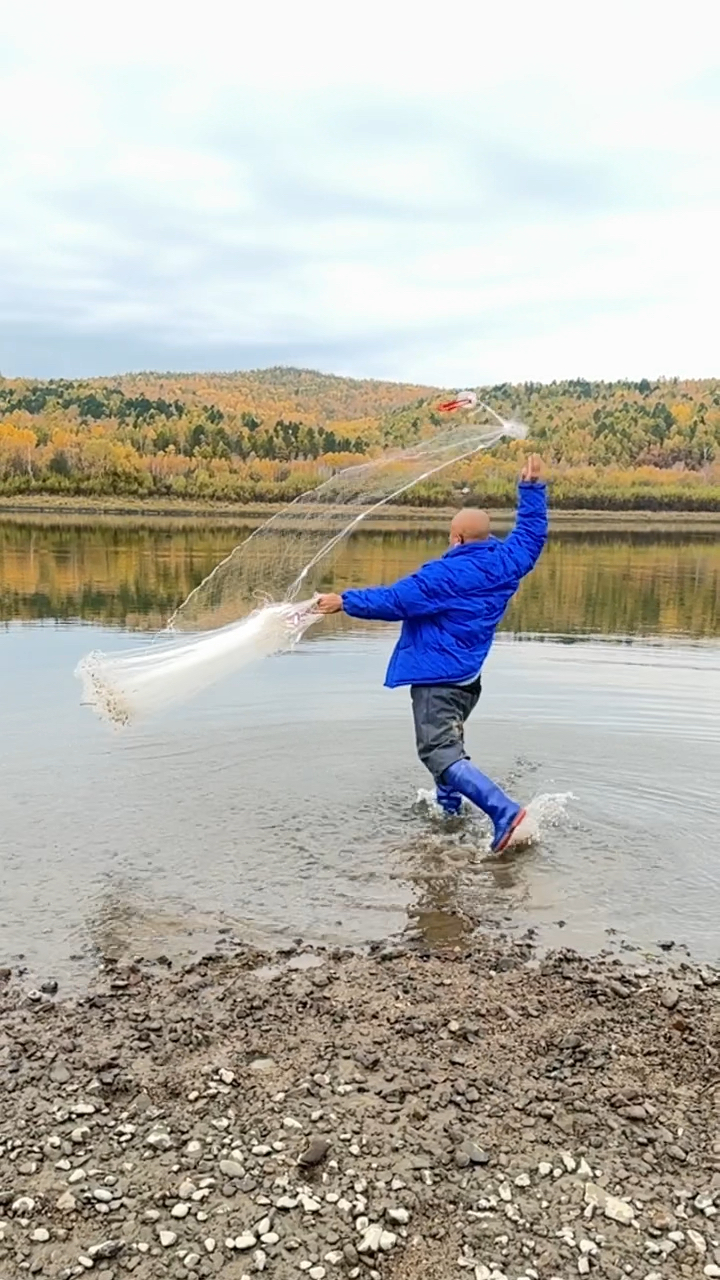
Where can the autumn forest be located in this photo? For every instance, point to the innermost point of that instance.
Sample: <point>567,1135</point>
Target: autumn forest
<point>267,436</point>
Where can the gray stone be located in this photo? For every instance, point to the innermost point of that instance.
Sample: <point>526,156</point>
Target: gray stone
<point>474,1153</point>
<point>314,1153</point>
<point>159,1138</point>
<point>399,1217</point>
<point>370,1242</point>
<point>23,1206</point>
<point>611,1206</point>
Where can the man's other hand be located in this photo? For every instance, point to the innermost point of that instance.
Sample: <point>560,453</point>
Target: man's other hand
<point>330,603</point>
<point>533,468</point>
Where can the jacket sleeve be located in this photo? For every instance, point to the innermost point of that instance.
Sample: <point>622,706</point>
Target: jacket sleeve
<point>524,545</point>
<point>428,591</point>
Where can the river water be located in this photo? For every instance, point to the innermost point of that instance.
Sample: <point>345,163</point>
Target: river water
<point>284,802</point>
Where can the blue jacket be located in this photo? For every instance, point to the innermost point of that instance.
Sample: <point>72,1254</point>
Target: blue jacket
<point>451,607</point>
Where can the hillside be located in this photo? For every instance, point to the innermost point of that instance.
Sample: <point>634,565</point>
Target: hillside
<point>269,435</point>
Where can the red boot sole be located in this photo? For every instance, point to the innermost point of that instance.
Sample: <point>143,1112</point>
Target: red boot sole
<point>498,848</point>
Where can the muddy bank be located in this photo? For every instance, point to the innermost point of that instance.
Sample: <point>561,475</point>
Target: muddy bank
<point>398,1115</point>
<point>43,509</point>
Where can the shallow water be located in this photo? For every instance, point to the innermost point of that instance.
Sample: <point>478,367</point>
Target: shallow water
<point>284,801</point>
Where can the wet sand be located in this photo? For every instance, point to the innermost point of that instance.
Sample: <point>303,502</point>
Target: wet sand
<point>488,1112</point>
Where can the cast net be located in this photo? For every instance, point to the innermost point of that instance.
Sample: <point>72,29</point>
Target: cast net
<point>259,600</point>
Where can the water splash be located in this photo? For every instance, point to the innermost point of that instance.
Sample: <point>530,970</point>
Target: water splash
<point>543,812</point>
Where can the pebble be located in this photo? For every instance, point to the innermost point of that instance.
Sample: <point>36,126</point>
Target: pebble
<point>180,1210</point>
<point>67,1202</point>
<point>370,1242</point>
<point>317,1273</point>
<point>246,1241</point>
<point>231,1169</point>
<point>40,1235</point>
<point>400,1217</point>
<point>712,1271</point>
<point>618,1210</point>
<point>474,1153</point>
<point>314,1153</point>
<point>159,1139</point>
<point>167,1239</point>
<point>107,1249</point>
<point>209,1244</point>
<point>23,1206</point>
<point>697,1241</point>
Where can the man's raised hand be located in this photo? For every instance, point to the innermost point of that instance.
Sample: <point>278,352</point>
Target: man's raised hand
<point>533,468</point>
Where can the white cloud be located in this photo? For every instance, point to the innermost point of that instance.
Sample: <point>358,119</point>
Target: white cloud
<point>447,194</point>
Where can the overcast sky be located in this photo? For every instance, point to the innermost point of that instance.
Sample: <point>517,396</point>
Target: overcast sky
<point>446,193</point>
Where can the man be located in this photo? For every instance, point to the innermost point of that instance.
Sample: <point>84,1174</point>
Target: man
<point>450,610</point>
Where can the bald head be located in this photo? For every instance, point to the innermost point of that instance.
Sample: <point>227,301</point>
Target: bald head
<point>469,525</point>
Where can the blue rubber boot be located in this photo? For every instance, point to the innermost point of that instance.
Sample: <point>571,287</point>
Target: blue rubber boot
<point>450,801</point>
<point>504,813</point>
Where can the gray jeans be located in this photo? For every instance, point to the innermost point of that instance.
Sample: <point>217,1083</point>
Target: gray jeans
<point>440,712</point>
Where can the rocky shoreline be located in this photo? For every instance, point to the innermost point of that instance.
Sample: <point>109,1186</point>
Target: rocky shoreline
<point>490,1113</point>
